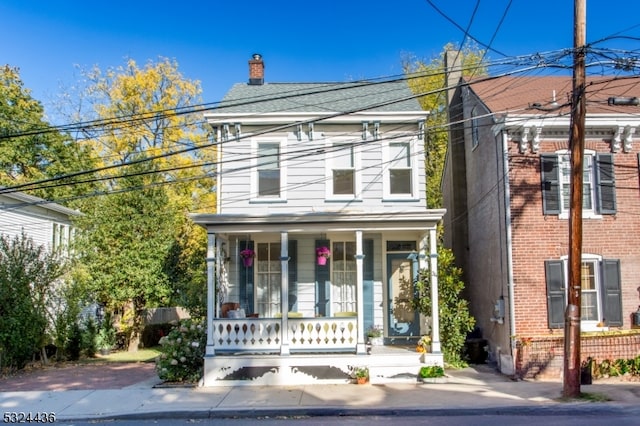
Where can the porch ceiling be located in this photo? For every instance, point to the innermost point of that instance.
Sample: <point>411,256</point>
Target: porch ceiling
<point>323,222</point>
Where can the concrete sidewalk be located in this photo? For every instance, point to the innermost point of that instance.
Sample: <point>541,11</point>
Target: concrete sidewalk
<point>477,389</point>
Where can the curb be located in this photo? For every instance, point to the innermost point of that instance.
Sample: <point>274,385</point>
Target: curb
<point>595,409</point>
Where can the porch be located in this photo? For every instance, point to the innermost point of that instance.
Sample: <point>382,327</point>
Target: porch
<point>367,282</point>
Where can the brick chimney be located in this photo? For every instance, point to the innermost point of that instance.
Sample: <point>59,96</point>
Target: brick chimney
<point>256,70</point>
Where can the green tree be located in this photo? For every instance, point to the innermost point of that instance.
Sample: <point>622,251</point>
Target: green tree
<point>28,274</point>
<point>455,320</point>
<point>429,78</point>
<point>125,241</point>
<point>31,149</point>
<point>144,252</point>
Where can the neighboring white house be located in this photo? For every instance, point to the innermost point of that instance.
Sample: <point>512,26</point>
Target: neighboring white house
<point>305,167</point>
<point>48,224</point>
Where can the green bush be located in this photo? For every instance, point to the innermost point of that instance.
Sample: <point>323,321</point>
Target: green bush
<point>182,352</point>
<point>27,274</point>
<point>455,320</point>
<point>88,338</point>
<point>73,345</point>
<point>430,371</point>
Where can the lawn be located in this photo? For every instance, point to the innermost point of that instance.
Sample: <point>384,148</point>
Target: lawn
<point>142,355</point>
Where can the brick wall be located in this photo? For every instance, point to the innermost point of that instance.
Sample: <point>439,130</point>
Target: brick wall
<point>543,357</point>
<point>537,237</point>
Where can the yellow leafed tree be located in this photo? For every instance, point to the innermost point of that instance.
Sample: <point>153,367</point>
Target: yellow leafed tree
<point>148,113</point>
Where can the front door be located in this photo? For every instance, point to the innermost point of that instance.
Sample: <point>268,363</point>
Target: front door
<point>403,320</point>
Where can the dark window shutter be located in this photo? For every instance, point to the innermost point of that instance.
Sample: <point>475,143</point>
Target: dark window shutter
<point>246,280</point>
<point>367,292</point>
<point>550,183</point>
<point>322,283</point>
<point>556,304</point>
<point>293,275</point>
<point>611,294</point>
<point>605,184</point>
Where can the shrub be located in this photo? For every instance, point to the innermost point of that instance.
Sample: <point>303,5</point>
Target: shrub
<point>455,319</point>
<point>181,356</point>
<point>430,371</point>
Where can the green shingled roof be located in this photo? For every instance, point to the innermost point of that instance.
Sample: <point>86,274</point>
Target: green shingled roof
<point>388,96</point>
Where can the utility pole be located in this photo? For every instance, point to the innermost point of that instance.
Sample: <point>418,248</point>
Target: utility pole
<point>571,388</point>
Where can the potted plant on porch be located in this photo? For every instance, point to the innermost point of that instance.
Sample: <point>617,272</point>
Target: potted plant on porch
<point>374,335</point>
<point>431,374</point>
<point>361,374</point>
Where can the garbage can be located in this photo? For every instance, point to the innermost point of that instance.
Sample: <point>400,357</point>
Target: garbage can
<point>476,351</point>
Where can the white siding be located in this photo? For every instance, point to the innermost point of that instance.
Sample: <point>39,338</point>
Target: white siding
<point>36,221</point>
<point>304,163</point>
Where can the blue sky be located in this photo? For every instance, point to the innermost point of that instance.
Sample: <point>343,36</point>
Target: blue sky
<point>301,41</point>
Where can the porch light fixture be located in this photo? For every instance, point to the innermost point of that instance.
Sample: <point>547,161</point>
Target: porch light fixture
<point>238,132</point>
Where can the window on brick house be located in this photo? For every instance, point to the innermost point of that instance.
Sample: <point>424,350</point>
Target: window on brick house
<point>600,292</point>
<point>598,190</point>
<point>475,131</point>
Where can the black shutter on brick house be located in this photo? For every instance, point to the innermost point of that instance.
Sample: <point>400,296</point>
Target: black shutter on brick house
<point>550,183</point>
<point>605,184</point>
<point>611,293</point>
<point>556,288</point>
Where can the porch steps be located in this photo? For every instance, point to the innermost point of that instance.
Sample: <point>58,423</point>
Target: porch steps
<point>399,367</point>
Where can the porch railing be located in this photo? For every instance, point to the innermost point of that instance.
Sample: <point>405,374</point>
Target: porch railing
<point>303,334</point>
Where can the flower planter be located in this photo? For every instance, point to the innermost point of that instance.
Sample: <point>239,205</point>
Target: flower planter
<point>431,380</point>
<point>322,260</point>
<point>376,341</point>
<point>247,261</point>
<point>362,380</point>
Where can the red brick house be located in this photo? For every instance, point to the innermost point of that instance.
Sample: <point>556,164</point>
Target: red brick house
<point>506,192</point>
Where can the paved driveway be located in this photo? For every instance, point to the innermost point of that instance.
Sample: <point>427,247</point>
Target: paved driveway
<point>94,376</point>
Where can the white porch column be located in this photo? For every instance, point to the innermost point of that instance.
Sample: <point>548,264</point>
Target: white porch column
<point>361,348</point>
<point>433,269</point>
<point>284,288</point>
<point>212,300</point>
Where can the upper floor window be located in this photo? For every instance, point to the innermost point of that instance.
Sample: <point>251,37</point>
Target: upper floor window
<point>598,187</point>
<point>601,298</point>
<point>475,131</point>
<point>343,178</point>
<point>268,173</point>
<point>400,172</point>
<point>344,172</point>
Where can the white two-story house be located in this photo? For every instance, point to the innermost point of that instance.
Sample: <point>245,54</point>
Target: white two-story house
<point>307,169</point>
<point>48,224</point>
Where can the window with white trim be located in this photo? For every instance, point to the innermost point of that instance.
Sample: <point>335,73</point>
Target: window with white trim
<point>269,279</point>
<point>600,295</point>
<point>400,170</point>
<point>343,277</point>
<point>598,188</point>
<point>268,170</point>
<point>343,176</point>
